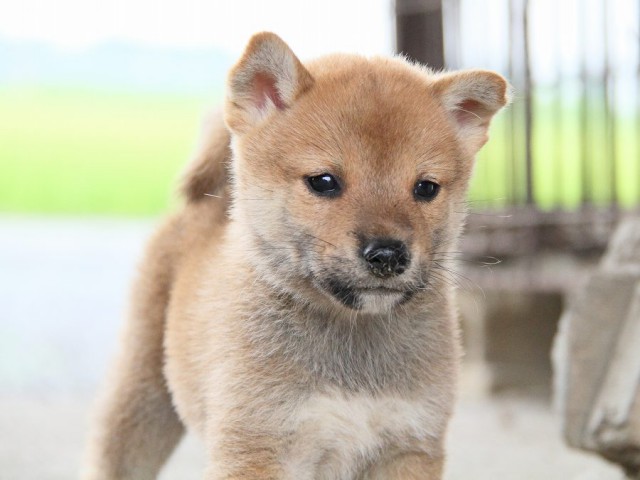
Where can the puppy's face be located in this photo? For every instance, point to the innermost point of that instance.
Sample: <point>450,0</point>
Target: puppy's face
<point>351,173</point>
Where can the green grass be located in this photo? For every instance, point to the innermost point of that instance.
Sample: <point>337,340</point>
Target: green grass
<point>81,152</point>
<point>68,151</point>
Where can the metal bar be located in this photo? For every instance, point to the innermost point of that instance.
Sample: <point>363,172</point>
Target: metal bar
<point>609,114</point>
<point>513,118</point>
<point>558,131</point>
<point>637,113</point>
<point>584,113</point>
<point>528,105</point>
<point>522,108</point>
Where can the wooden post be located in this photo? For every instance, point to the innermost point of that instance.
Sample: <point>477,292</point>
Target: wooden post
<point>597,358</point>
<point>419,31</point>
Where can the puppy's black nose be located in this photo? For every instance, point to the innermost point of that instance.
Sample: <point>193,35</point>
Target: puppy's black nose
<point>386,257</point>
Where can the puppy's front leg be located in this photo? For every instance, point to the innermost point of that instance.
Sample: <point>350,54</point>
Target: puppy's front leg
<point>409,466</point>
<point>245,455</point>
<point>246,472</point>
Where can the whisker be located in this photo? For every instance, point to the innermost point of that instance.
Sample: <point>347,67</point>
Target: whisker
<point>478,214</point>
<point>469,112</point>
<point>449,280</point>
<point>459,277</point>
<point>261,187</point>
<point>318,238</point>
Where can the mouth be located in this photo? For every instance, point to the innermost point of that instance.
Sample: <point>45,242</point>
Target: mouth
<point>357,298</point>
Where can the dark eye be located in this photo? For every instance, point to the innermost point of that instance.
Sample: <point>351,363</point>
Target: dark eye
<point>426,190</point>
<point>324,184</point>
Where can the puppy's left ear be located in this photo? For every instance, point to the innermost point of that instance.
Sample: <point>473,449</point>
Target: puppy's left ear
<point>472,98</point>
<point>268,78</point>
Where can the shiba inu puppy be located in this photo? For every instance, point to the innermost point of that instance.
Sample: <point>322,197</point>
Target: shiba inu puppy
<point>297,311</point>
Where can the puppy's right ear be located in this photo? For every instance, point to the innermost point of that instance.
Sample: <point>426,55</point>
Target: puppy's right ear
<point>267,79</point>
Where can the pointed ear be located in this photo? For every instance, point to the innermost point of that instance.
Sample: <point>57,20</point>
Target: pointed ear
<point>268,78</point>
<point>472,98</point>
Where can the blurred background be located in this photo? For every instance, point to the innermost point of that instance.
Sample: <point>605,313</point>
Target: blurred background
<point>100,105</point>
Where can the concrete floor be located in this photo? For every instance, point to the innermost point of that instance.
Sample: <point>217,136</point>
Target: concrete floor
<point>63,286</point>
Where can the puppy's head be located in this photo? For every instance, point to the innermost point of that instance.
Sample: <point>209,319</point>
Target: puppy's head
<point>350,173</point>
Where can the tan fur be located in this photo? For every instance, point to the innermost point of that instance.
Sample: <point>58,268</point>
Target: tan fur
<point>234,331</point>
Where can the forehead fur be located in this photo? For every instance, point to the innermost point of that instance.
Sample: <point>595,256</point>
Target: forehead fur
<point>369,85</point>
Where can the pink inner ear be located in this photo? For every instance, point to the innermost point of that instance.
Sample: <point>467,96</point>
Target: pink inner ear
<point>264,86</point>
<point>469,111</point>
